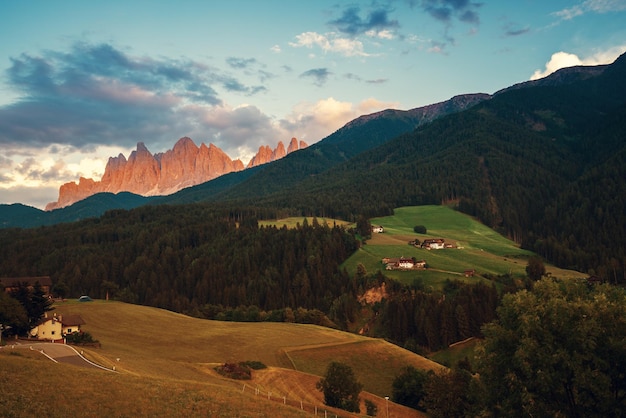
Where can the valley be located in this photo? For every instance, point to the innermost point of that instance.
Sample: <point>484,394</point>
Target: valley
<point>152,349</point>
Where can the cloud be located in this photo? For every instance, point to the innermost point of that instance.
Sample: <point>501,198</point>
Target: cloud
<point>562,59</point>
<point>99,94</point>
<point>511,29</point>
<point>319,75</point>
<point>591,6</point>
<point>330,42</point>
<point>317,120</point>
<point>448,10</point>
<point>351,23</point>
<point>240,63</point>
<point>34,196</point>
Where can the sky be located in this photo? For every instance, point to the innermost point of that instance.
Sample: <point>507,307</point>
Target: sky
<point>82,81</point>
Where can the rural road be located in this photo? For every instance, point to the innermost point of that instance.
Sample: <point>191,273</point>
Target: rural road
<point>59,353</point>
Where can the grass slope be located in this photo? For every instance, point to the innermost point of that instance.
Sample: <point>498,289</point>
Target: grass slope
<point>294,221</point>
<point>157,351</point>
<point>479,248</point>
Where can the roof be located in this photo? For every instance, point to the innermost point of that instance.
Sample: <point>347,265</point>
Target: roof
<point>65,320</point>
<point>72,320</point>
<point>31,281</point>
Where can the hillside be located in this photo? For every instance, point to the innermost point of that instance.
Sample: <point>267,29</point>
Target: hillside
<point>265,174</point>
<point>182,354</point>
<point>528,163</point>
<point>474,247</point>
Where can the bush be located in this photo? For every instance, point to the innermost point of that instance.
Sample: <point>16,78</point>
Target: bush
<point>253,364</point>
<point>340,387</point>
<point>419,229</point>
<point>370,408</point>
<point>234,371</point>
<point>80,338</point>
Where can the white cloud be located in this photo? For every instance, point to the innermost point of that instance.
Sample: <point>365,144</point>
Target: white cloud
<point>330,42</point>
<point>382,34</point>
<point>276,49</point>
<point>318,120</point>
<point>595,6</point>
<point>562,59</point>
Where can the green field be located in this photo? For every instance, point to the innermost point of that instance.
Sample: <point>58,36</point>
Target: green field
<point>292,222</point>
<point>161,353</point>
<point>477,247</point>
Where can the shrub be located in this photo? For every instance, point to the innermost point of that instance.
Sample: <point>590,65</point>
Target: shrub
<point>234,371</point>
<point>253,364</point>
<point>80,338</point>
<point>419,229</point>
<point>370,408</point>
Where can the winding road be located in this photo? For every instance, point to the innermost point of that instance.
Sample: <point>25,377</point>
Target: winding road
<point>59,353</point>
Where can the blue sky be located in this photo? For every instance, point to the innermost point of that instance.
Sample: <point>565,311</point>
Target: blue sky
<point>82,81</point>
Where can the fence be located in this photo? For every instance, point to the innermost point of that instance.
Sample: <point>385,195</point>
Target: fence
<point>318,411</point>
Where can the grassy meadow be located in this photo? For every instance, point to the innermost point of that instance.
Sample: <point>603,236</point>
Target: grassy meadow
<point>164,359</point>
<point>478,247</point>
<point>292,222</point>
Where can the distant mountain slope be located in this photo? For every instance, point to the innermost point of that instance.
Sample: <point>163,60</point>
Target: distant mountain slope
<point>261,178</point>
<point>357,136</point>
<point>542,164</point>
<point>21,216</point>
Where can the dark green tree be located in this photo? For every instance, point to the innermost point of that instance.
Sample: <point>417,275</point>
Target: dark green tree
<point>557,350</point>
<point>370,408</point>
<point>340,387</point>
<point>13,317</point>
<point>419,229</point>
<point>408,387</point>
<point>34,301</point>
<point>364,227</point>
<point>60,289</point>
<point>535,268</point>
<point>452,393</point>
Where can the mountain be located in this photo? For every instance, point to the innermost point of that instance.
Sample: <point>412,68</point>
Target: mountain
<point>517,160</point>
<point>165,173</point>
<point>362,134</point>
<point>544,164</point>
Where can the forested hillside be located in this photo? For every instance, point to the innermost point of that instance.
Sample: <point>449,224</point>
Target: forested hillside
<point>185,259</point>
<point>541,164</point>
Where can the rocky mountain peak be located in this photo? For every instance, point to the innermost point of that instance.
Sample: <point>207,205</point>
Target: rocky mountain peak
<point>146,174</point>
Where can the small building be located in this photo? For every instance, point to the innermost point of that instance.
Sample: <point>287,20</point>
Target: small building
<point>378,229</point>
<point>403,263</point>
<point>433,244</point>
<point>420,264</point>
<point>469,273</point>
<point>56,327</point>
<point>11,284</point>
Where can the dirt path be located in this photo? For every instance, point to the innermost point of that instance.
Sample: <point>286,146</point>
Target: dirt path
<point>59,353</point>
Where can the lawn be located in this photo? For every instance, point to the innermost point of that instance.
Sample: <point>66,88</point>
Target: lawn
<point>164,363</point>
<point>156,343</point>
<point>292,222</point>
<point>477,247</point>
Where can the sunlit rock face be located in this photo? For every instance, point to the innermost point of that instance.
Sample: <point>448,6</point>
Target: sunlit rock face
<point>165,173</point>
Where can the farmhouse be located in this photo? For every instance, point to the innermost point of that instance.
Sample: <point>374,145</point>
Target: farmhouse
<point>403,263</point>
<point>56,327</point>
<point>11,284</point>
<point>378,229</point>
<point>433,244</point>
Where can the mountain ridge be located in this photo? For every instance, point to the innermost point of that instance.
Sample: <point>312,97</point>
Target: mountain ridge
<point>165,173</point>
<point>364,133</point>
